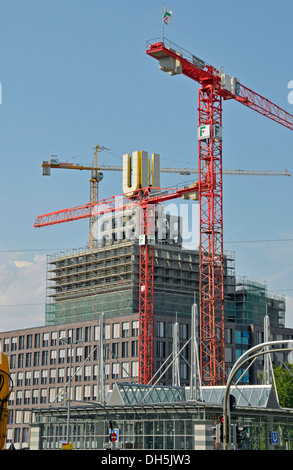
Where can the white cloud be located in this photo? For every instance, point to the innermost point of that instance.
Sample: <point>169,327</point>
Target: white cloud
<point>22,291</point>
<point>22,264</point>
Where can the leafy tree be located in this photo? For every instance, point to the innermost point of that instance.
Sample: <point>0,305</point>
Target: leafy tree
<point>284,384</point>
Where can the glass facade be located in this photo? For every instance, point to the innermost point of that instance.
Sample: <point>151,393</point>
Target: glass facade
<point>162,428</point>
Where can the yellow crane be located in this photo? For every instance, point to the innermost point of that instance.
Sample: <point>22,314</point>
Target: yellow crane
<point>97,176</point>
<point>5,391</point>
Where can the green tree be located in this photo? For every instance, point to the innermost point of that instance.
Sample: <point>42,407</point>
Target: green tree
<point>284,384</point>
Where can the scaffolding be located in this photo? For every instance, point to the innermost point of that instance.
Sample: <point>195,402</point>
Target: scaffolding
<point>82,284</point>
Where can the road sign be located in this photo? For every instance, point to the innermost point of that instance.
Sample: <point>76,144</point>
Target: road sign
<point>114,435</point>
<point>275,437</point>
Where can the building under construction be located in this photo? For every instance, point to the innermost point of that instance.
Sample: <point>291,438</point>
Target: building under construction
<point>83,284</point>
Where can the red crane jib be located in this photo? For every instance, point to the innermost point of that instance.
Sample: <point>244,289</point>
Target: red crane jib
<point>209,73</point>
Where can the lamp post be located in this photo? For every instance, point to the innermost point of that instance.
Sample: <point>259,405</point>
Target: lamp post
<point>247,356</point>
<point>71,342</point>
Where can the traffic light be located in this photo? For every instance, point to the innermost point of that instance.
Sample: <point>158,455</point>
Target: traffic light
<point>222,430</point>
<point>240,434</point>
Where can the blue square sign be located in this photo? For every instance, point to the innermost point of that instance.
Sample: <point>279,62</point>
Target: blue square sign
<point>275,437</point>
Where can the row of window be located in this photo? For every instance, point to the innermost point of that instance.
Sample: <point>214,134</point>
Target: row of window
<point>53,376</point>
<point>78,354</point>
<point>115,331</point>
<point>87,334</point>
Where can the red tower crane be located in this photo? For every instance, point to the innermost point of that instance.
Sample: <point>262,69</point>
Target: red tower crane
<point>145,201</point>
<point>215,87</point>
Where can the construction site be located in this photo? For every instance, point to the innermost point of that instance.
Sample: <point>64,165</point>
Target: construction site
<point>170,321</point>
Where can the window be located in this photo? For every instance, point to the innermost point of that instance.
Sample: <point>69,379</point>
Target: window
<point>62,334</point>
<point>25,434</point>
<point>161,329</point>
<point>79,354</point>
<point>13,343</point>
<point>27,397</point>
<point>97,333</point>
<point>125,369</point>
<point>54,338</point>
<point>183,370</point>
<point>79,334</point>
<point>87,393</point>
<point>78,392</point>
<point>161,349</point>
<point>87,373</point>
<point>21,342</point>
<point>43,398</point>
<point>19,379</point>
<point>45,340</point>
<point>18,397</point>
<point>29,341</point>
<point>17,435</point>
<point>88,333</point>
<point>61,356</point>
<point>28,377</point>
<point>6,345</point>
<point>20,361</point>
<point>35,398</point>
<point>228,336</point>
<point>116,330</point>
<point>134,369</point>
<point>36,358</point>
<point>242,337</point>
<point>134,331</point>
<point>28,360</point>
<point>12,361</point>
<point>44,377</point>
<point>87,351</point>
<point>134,348</point>
<point>36,377</point>
<point>125,349</point>
<point>52,379</point>
<point>115,349</point>
<point>53,357</point>
<point>78,374</point>
<point>60,375</point>
<point>69,355</point>
<point>107,332</point>
<point>228,355</point>
<point>125,329</point>
<point>37,340</point>
<point>52,395</point>
<point>115,370</point>
<point>44,358</point>
<point>183,331</point>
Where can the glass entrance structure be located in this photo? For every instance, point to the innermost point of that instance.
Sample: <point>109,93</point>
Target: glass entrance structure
<point>147,417</point>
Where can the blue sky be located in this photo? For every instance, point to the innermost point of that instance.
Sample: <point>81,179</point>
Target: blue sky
<point>75,74</point>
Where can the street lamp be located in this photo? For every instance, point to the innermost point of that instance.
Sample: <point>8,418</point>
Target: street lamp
<point>238,365</point>
<point>71,342</point>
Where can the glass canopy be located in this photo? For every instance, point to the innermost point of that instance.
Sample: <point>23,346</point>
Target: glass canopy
<point>260,396</point>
